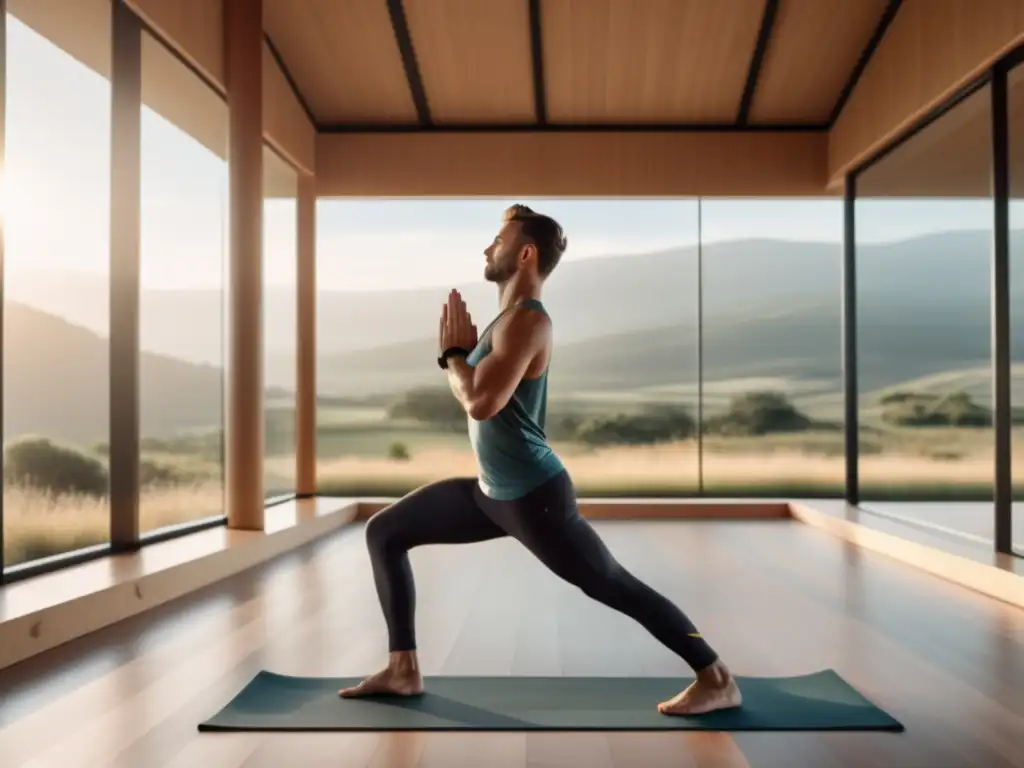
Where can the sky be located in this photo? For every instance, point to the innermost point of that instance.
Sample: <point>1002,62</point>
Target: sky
<point>56,204</point>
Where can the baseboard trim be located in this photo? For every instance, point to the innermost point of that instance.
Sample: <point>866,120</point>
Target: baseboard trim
<point>647,509</point>
<point>975,567</point>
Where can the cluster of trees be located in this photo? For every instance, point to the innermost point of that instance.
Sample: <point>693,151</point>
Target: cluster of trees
<point>915,409</point>
<point>40,463</point>
<point>752,414</point>
<point>749,415</point>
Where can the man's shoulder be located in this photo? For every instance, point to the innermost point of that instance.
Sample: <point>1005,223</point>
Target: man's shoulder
<point>524,323</point>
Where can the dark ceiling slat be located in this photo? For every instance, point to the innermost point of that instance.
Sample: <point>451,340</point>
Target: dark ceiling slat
<point>771,7</point>
<point>571,128</point>
<point>412,71</point>
<point>288,76</point>
<point>537,49</point>
<point>869,50</point>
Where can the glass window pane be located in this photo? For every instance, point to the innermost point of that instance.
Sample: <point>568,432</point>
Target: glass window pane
<point>623,381</point>
<point>1016,112</point>
<point>184,210</point>
<point>773,387</point>
<point>280,275</point>
<point>56,327</point>
<point>924,248</point>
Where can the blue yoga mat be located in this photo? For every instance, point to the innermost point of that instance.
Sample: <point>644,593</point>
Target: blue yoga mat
<point>814,702</point>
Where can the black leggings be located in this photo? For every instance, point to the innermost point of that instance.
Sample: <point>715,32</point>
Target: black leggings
<point>547,522</point>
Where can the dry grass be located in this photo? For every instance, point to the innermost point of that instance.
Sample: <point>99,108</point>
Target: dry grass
<point>668,465</point>
<point>38,524</point>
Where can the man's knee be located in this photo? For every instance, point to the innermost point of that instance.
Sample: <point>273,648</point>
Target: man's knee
<point>606,584</point>
<point>380,533</point>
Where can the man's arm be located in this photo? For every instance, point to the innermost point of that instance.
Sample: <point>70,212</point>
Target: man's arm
<point>485,390</point>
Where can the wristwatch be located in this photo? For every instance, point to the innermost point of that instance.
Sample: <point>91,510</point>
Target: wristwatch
<point>451,352</point>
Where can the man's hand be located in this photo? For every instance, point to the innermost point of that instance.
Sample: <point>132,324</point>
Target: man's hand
<point>457,329</point>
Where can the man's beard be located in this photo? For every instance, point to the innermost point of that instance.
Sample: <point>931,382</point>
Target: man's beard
<point>498,273</point>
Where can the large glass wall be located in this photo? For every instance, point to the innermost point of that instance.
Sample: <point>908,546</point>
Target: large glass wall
<point>623,387</point>
<point>56,309</point>
<point>924,227</point>
<point>1015,110</point>
<point>184,210</point>
<point>57,292</point>
<point>280,276</point>
<point>772,369</point>
<point>625,381</point>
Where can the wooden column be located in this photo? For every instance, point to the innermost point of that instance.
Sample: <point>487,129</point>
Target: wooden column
<point>305,388</point>
<point>125,244</point>
<point>3,225</point>
<point>243,57</point>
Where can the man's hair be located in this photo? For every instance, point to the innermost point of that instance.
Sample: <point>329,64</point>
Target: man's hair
<point>543,231</point>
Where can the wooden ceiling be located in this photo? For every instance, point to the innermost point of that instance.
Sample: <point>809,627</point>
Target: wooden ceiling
<point>553,64</point>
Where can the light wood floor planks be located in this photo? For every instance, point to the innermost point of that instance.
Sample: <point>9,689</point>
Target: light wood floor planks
<point>775,597</point>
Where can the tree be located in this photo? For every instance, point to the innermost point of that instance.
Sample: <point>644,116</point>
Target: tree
<point>929,410</point>
<point>37,462</point>
<point>398,451</point>
<point>655,424</point>
<point>759,413</point>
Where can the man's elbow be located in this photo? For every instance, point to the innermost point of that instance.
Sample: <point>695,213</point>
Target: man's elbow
<point>483,408</point>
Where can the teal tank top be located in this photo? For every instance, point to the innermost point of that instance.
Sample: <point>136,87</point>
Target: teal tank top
<point>511,448</point>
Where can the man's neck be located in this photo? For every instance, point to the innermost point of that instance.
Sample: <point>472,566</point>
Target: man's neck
<point>514,292</point>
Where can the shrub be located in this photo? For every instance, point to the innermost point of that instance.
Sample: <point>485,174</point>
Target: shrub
<point>398,451</point>
<point>759,413</point>
<point>37,462</point>
<point>927,410</point>
<point>657,424</point>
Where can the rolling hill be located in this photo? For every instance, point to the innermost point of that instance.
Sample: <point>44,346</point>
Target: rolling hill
<point>623,324</point>
<point>801,345</point>
<point>56,383</point>
<point>743,279</point>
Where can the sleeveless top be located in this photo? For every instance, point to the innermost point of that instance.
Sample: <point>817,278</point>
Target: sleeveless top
<point>512,453</point>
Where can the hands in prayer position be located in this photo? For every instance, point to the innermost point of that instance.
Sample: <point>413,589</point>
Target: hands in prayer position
<point>457,329</point>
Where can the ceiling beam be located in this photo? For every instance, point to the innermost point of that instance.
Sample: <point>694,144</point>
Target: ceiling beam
<point>291,80</point>
<point>396,10</point>
<point>609,128</point>
<point>771,8</point>
<point>865,56</point>
<point>555,164</point>
<point>537,49</point>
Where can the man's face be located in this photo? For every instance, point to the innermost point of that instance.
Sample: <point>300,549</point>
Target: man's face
<point>503,254</point>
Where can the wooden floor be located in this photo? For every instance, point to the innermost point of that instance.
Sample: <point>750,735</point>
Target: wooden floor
<point>775,598</point>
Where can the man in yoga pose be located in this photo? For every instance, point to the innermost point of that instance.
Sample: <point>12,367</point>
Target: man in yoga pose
<point>523,490</point>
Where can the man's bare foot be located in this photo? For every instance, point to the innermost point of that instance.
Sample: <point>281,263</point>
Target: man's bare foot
<point>713,689</point>
<point>401,677</point>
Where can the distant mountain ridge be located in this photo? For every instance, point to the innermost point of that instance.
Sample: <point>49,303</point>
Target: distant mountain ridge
<point>771,311</point>
<point>640,291</point>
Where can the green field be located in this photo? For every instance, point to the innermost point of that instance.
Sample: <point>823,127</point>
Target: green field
<point>358,455</point>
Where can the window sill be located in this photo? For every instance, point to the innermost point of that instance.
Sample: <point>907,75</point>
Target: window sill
<point>50,609</point>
